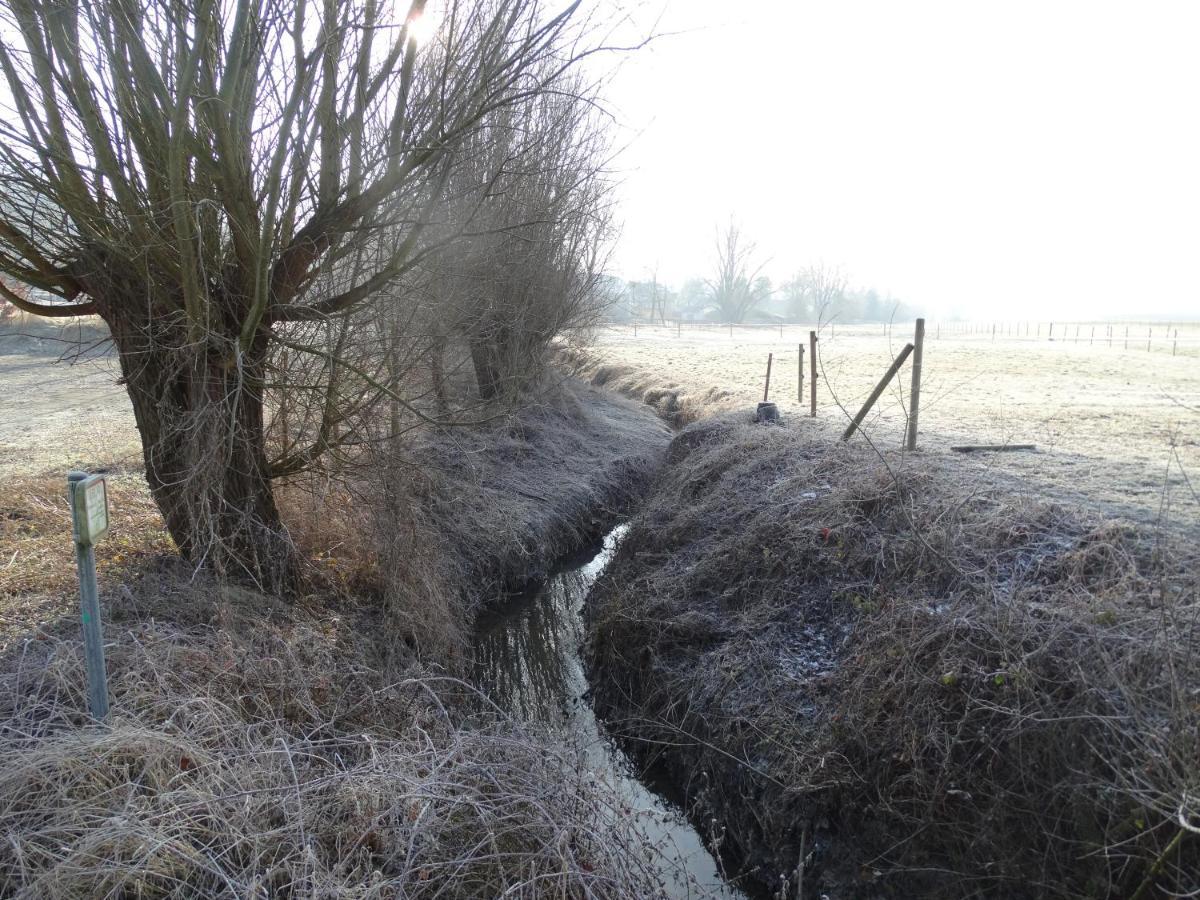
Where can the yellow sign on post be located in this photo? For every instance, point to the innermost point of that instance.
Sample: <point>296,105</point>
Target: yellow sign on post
<point>91,509</point>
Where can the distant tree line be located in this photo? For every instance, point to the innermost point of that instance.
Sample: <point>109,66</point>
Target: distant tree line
<point>735,290</point>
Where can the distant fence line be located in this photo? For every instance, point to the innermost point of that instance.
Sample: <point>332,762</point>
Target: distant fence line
<point>1172,338</point>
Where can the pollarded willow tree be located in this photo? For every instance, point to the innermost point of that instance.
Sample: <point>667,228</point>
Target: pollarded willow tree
<point>542,229</point>
<point>210,176</point>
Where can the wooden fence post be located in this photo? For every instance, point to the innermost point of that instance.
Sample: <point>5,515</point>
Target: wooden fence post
<point>800,376</point>
<point>914,395</point>
<point>767,387</point>
<point>812,370</point>
<point>875,394</point>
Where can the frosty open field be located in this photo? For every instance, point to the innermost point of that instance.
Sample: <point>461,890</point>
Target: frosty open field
<point>1115,428</point>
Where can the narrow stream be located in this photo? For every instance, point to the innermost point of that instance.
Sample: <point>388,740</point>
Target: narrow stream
<point>527,660</point>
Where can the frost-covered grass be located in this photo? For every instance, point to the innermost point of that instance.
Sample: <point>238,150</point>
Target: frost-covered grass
<point>884,677</point>
<point>316,745</point>
<point>1115,428</point>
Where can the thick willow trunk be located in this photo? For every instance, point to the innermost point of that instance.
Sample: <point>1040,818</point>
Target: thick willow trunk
<point>487,375</point>
<point>200,414</point>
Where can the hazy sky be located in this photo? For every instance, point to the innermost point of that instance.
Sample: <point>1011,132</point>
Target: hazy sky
<point>1037,157</point>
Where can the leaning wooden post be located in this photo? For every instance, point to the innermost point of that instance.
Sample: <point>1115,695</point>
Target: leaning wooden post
<point>800,377</point>
<point>812,370</point>
<point>767,387</point>
<point>875,394</point>
<point>914,395</point>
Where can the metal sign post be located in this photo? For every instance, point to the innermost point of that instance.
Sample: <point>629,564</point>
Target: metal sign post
<point>89,518</point>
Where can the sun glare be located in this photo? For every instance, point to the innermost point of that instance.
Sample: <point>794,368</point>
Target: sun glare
<point>422,28</point>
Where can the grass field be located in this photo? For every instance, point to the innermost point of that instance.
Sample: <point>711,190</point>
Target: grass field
<point>1115,428</point>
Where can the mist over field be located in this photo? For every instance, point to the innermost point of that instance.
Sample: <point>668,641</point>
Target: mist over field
<point>1003,161</point>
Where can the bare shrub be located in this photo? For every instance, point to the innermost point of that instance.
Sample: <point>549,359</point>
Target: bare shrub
<point>875,672</point>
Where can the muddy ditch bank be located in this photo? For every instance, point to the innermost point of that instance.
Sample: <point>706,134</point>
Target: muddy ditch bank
<point>884,679</point>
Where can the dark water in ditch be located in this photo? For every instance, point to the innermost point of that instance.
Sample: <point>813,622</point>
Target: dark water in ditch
<point>527,660</point>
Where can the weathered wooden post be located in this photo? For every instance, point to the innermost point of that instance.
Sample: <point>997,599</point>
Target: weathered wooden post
<point>914,397</point>
<point>812,370</point>
<point>767,387</point>
<point>800,376</point>
<point>875,394</point>
<point>1175,344</point>
<point>1149,337</point>
<point>88,495</point>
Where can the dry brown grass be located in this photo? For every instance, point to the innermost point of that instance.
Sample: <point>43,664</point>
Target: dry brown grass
<point>464,516</point>
<point>675,401</point>
<point>895,680</point>
<point>267,748</point>
<point>38,582</point>
<point>274,761</point>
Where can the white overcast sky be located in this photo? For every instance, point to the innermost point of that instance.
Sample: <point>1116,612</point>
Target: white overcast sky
<point>1040,158</point>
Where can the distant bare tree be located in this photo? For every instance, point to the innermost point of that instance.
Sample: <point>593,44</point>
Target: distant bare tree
<point>736,287</point>
<point>223,180</point>
<point>822,286</point>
